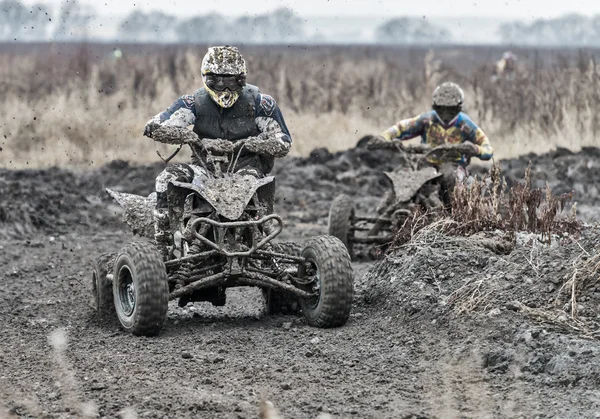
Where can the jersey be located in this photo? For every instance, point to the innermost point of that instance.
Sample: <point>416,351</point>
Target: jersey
<point>267,116</point>
<point>434,132</point>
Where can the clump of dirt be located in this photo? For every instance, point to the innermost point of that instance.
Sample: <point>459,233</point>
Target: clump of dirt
<point>435,273</point>
<point>57,200</point>
<point>50,200</point>
<point>524,296</point>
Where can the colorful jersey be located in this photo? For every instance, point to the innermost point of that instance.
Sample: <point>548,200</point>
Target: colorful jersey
<point>267,115</point>
<point>434,132</point>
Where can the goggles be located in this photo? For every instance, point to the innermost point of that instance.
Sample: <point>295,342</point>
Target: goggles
<point>220,83</point>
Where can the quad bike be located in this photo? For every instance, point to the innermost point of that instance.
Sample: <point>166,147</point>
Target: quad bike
<point>222,237</point>
<point>415,183</point>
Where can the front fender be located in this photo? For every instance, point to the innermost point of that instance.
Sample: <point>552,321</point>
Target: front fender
<point>138,211</point>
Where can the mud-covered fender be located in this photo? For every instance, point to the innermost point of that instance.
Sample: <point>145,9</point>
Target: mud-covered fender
<point>406,183</point>
<point>138,211</point>
<point>228,195</point>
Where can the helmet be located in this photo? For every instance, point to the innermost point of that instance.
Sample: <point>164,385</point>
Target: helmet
<point>508,55</point>
<point>448,95</point>
<point>447,101</point>
<point>224,74</point>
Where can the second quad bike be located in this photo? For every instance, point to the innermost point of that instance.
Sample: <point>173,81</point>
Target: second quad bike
<point>223,235</point>
<point>414,183</point>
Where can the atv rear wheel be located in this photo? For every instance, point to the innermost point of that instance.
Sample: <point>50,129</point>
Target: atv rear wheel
<point>277,301</point>
<point>140,289</point>
<point>341,216</point>
<point>327,264</point>
<point>101,287</point>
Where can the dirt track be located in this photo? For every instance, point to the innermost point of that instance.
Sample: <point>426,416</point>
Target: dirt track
<point>402,354</point>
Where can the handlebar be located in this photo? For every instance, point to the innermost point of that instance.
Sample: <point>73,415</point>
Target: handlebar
<point>446,150</point>
<point>441,151</point>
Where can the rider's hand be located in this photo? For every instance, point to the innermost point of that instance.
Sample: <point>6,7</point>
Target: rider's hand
<point>467,148</point>
<point>471,149</point>
<point>377,142</point>
<point>239,144</point>
<point>150,127</point>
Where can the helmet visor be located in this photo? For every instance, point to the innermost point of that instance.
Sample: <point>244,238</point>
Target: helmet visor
<point>221,83</point>
<point>447,113</point>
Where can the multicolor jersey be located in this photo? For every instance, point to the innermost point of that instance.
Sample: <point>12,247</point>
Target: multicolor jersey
<point>267,115</point>
<point>434,132</point>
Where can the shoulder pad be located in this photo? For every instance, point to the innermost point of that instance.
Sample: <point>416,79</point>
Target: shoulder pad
<point>267,104</point>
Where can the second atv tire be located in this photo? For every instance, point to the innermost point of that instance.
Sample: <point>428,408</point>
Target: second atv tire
<point>341,216</point>
<point>101,287</point>
<point>328,262</point>
<point>141,289</point>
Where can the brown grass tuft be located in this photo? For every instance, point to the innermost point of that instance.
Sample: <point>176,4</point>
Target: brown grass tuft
<point>488,205</point>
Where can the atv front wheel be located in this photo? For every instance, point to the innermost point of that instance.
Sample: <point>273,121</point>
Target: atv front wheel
<point>277,301</point>
<point>141,289</point>
<point>101,287</point>
<point>341,216</point>
<point>327,271</point>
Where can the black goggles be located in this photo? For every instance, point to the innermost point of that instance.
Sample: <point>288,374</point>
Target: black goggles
<point>220,83</point>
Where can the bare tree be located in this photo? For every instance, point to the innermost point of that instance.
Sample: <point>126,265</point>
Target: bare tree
<point>13,16</point>
<point>568,30</point>
<point>148,27</point>
<point>283,25</point>
<point>74,20</point>
<point>412,31</point>
<point>21,22</point>
<point>212,28</point>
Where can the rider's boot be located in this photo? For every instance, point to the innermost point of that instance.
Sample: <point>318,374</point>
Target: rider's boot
<point>162,234</point>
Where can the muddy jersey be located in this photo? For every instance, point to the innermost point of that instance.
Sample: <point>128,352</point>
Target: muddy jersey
<point>267,115</point>
<point>434,132</point>
<point>254,115</point>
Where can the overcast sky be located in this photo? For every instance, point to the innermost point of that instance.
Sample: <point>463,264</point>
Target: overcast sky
<point>523,9</point>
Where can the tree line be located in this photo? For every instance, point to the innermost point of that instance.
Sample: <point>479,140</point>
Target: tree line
<point>74,21</point>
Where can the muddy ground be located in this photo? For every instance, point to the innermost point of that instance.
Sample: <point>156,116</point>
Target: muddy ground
<point>440,330</point>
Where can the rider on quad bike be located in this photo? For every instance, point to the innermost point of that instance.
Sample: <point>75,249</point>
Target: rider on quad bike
<point>224,112</point>
<point>445,125</point>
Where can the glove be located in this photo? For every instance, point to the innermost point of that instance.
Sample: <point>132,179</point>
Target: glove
<point>150,127</point>
<point>173,135</point>
<point>470,149</point>
<point>378,142</point>
<point>267,146</point>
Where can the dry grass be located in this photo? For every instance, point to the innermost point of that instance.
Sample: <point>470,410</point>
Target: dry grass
<point>487,205</point>
<point>75,105</point>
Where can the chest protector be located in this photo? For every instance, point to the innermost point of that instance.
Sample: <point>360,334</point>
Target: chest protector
<point>233,123</point>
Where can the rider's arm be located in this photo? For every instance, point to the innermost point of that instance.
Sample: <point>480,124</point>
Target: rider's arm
<point>407,128</point>
<point>274,138</point>
<point>478,137</point>
<point>180,114</point>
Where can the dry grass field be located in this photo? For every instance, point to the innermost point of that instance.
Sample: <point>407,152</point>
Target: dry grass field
<point>76,105</point>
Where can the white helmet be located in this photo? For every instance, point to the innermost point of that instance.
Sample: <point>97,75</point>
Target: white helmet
<point>224,74</point>
<point>448,95</point>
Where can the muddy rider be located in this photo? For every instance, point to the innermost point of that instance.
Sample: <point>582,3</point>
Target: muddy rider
<point>224,111</point>
<point>444,124</point>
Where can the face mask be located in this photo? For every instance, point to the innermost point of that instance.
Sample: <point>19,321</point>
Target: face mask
<point>223,89</point>
<point>447,113</point>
